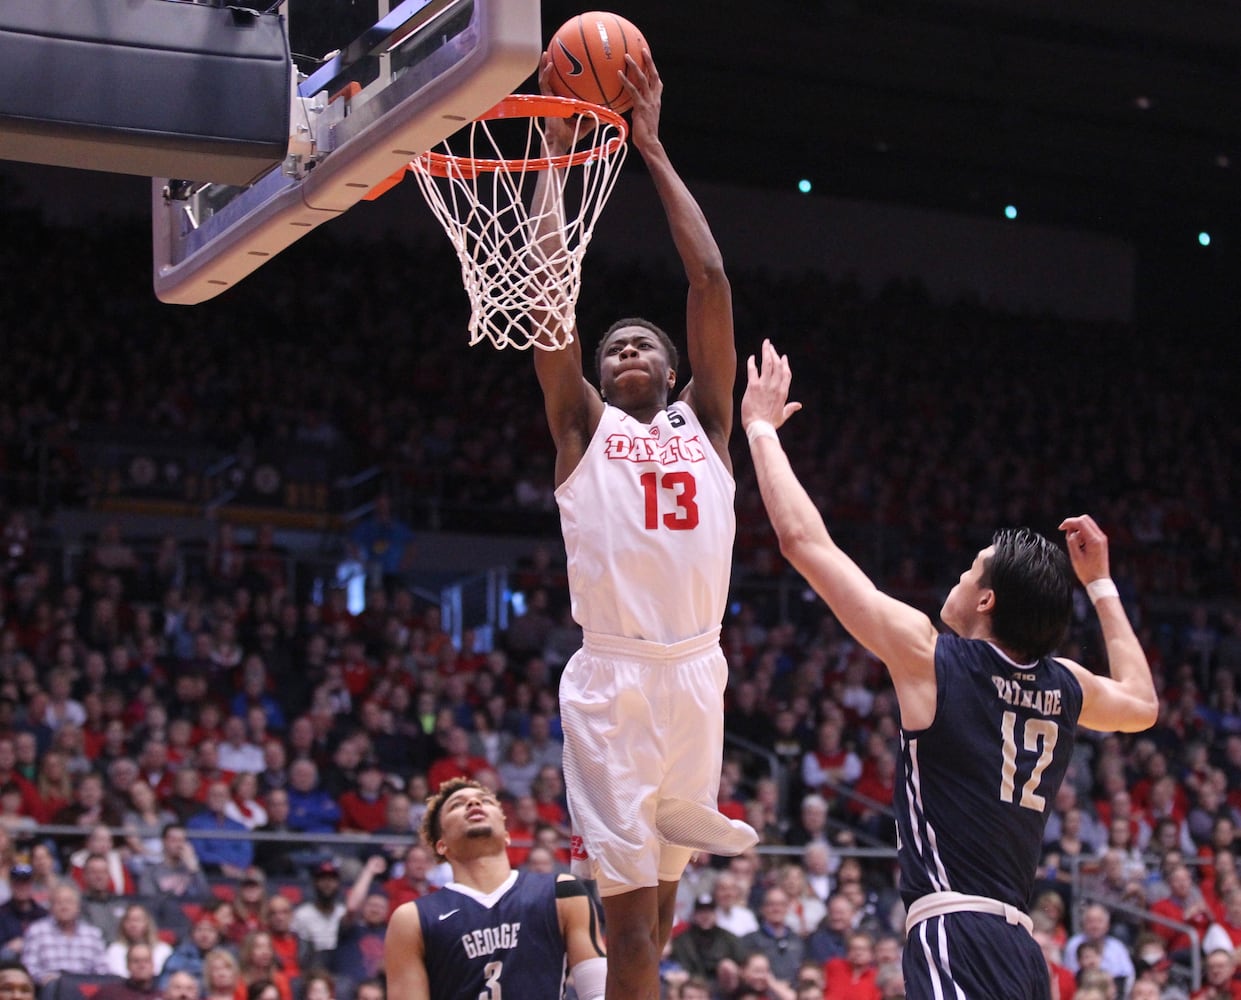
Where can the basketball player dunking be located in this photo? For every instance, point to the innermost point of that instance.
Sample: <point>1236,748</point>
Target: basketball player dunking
<point>645,491</point>
<point>988,715</point>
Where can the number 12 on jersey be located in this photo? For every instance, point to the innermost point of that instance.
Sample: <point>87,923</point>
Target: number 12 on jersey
<point>1038,736</point>
<point>670,489</point>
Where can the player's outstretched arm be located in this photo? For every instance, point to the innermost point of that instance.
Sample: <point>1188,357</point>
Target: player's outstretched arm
<point>579,924</point>
<point>709,309</point>
<point>572,405</point>
<point>404,958</point>
<point>901,636</point>
<point>1126,701</point>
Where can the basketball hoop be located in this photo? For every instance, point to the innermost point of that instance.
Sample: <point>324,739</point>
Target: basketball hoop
<point>523,286</point>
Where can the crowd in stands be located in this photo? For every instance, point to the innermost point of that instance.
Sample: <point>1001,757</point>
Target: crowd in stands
<point>152,716</point>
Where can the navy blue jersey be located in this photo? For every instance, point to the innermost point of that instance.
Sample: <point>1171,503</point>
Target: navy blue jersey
<point>978,782</point>
<point>512,947</point>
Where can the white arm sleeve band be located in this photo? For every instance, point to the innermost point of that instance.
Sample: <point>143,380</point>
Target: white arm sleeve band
<point>589,977</point>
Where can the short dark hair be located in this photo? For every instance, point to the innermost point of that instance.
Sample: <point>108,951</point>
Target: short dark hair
<point>256,988</point>
<point>669,347</point>
<point>14,965</point>
<point>431,818</point>
<point>1033,584</point>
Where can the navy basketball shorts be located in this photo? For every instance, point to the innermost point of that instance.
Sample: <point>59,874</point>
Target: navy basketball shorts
<point>973,956</point>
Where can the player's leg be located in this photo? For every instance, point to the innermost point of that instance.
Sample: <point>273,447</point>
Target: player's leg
<point>667,911</point>
<point>688,813</point>
<point>632,922</point>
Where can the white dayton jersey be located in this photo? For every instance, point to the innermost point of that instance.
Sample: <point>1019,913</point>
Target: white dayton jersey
<point>648,526</point>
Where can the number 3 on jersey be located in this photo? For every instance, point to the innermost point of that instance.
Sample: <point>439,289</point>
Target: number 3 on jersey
<point>675,488</point>
<point>492,971</point>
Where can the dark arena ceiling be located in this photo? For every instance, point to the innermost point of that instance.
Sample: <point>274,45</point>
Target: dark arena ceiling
<point>1116,115</point>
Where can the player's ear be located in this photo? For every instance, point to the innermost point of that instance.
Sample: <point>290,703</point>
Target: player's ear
<point>672,379</point>
<point>986,602</point>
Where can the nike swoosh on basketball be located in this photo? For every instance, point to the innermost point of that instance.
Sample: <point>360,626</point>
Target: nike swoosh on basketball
<point>574,62</point>
<point>445,916</point>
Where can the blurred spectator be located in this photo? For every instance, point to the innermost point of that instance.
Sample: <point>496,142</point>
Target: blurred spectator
<point>1111,885</point>
<point>255,690</point>
<point>385,545</point>
<point>218,855</point>
<point>53,784</point>
<point>530,627</point>
<point>817,858</point>
<point>758,980</point>
<point>413,882</point>
<point>811,824</point>
<point>311,808</point>
<point>136,927</point>
<point>235,752</point>
<point>1219,977</point>
<point>101,904</point>
<point>187,793</point>
<point>100,844</point>
<point>257,963</point>
<point>46,873</point>
<point>853,976</point>
<point>731,911</point>
<point>806,910</point>
<point>178,873</point>
<point>546,745</point>
<point>140,982</point>
<point>319,985</point>
<point>272,856</point>
<point>1114,957</point>
<point>275,773</point>
<point>1063,982</point>
<point>1225,932</point>
<point>145,820</point>
<point>221,976</point>
<point>294,952</point>
<point>317,920</point>
<point>62,941</point>
<point>181,986</point>
<point>1185,905</point>
<point>243,805</point>
<point>457,760</point>
<point>702,946</point>
<point>190,954</point>
<point>830,938</point>
<point>15,980</point>
<point>249,903</point>
<point>364,809</point>
<point>830,763</point>
<point>31,803</point>
<point>775,938</point>
<point>18,912</point>
<point>363,927</point>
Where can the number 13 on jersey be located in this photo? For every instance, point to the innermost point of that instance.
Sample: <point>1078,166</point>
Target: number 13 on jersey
<point>669,500</point>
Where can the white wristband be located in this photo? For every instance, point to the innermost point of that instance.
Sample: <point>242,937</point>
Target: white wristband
<point>1103,587</point>
<point>760,429</point>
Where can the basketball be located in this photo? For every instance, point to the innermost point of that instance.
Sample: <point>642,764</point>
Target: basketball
<point>587,53</point>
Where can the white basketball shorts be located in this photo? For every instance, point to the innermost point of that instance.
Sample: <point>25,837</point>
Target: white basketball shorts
<point>643,741</point>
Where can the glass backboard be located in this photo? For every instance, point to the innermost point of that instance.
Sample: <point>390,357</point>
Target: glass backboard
<point>360,112</point>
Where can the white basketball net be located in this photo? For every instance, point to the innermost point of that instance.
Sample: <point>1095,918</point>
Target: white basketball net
<point>523,293</point>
